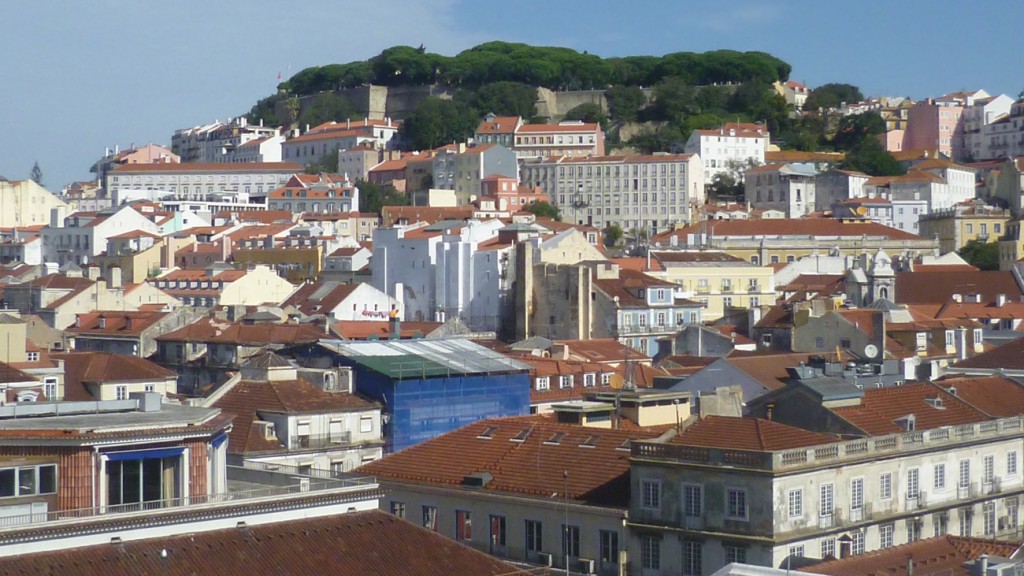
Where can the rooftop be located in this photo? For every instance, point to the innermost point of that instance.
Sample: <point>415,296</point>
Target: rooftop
<point>945,555</point>
<point>755,434</point>
<point>425,358</point>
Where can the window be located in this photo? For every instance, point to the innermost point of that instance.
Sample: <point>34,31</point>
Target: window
<point>33,356</point>
<point>988,469</point>
<point>121,392</point>
<point>463,525</point>
<point>693,500</point>
<point>940,524</point>
<point>796,551</point>
<point>136,479</point>
<point>796,503</point>
<point>966,521</point>
<point>430,517</point>
<point>913,530</point>
<point>857,494</point>
<point>589,380</point>
<point>965,474</point>
<point>650,552</point>
<point>857,545</point>
<point>497,530</point>
<point>940,476</point>
<point>736,504</point>
<point>692,552</point>
<point>28,480</point>
<point>828,548</point>
<point>885,533</point>
<point>885,486</point>
<point>827,499</point>
<point>366,424</point>
<point>534,536</point>
<point>1011,512</point>
<point>50,388</point>
<point>570,541</point>
<point>565,381</point>
<point>988,511</point>
<point>650,494</point>
<point>736,554</point>
<point>543,383</point>
<point>913,484</point>
<point>1011,463</point>
<point>609,548</point>
<point>398,509</point>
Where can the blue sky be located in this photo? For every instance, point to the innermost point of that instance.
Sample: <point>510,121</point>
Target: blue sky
<point>81,76</point>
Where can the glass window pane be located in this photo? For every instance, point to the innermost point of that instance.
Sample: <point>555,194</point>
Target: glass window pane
<point>26,481</point>
<point>7,482</point>
<point>48,479</point>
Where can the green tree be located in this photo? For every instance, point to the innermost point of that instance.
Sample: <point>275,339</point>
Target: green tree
<point>435,122</point>
<point>503,99</point>
<point>36,174</point>
<point>870,157</point>
<point>856,128</point>
<point>544,209</point>
<point>588,112</point>
<point>613,234</point>
<point>328,163</point>
<point>374,197</point>
<point>983,255</point>
<point>832,95</point>
<point>625,102</point>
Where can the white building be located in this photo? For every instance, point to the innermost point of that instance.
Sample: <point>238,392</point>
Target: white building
<point>201,181</point>
<point>1004,138</point>
<point>977,117</point>
<point>215,142</point>
<point>332,137</point>
<point>834,186</point>
<point>914,461</point>
<point>445,270</point>
<point>82,236</point>
<point>634,192</point>
<point>788,188</point>
<point>729,149</point>
<point>262,150</point>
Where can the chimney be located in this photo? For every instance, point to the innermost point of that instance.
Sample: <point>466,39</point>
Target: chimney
<point>1000,300</point>
<point>771,408</point>
<point>983,560</point>
<point>57,216</point>
<point>958,298</point>
<point>114,277</point>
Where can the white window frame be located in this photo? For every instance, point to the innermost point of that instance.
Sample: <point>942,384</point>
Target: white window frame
<point>796,503</point>
<point>885,486</point>
<point>736,510</point>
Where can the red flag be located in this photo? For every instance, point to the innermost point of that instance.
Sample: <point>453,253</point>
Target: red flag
<point>278,76</point>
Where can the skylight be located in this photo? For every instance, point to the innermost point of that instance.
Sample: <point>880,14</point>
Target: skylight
<point>590,442</point>
<point>487,433</point>
<point>556,438</point>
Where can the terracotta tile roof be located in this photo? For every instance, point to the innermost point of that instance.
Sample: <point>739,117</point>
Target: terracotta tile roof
<point>637,159</point>
<point>880,408</point>
<point>939,287</point>
<point>603,350</point>
<point>769,370</point>
<point>262,216</point>
<point>82,368</point>
<point>742,130</point>
<point>116,323</point>
<point>630,280</point>
<point>332,135</point>
<point>997,396</point>
<point>944,268</point>
<point>247,399</point>
<point>222,331</point>
<point>700,257</point>
<point>733,433</point>
<point>818,283</point>
<point>188,167</point>
<point>555,128</point>
<point>864,320</point>
<point>787,227</point>
<point>364,330</point>
<point>9,374</point>
<point>354,544</point>
<point>943,555</point>
<point>1009,356</point>
<point>978,310</point>
<point>60,282</point>
<point>499,125</point>
<point>638,264</point>
<point>391,165</point>
<point>392,214</point>
<point>328,295</point>
<point>534,467</point>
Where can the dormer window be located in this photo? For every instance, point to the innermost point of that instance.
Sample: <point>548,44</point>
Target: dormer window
<point>935,402</point>
<point>922,341</point>
<point>907,423</point>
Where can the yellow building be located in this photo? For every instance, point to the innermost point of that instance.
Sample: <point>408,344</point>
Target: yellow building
<point>956,226</point>
<point>25,203</point>
<point>297,265</point>
<point>726,285</point>
<point>777,241</point>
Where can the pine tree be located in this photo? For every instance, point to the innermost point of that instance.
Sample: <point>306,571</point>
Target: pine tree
<point>36,174</point>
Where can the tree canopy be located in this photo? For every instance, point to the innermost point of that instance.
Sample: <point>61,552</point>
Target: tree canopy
<point>544,209</point>
<point>436,122</point>
<point>832,95</point>
<point>550,67</point>
<point>982,255</point>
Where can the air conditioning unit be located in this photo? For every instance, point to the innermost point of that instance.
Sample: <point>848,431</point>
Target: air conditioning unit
<point>584,566</point>
<point>544,558</point>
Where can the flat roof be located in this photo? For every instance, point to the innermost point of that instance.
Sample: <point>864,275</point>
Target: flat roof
<point>168,416</point>
<point>425,358</point>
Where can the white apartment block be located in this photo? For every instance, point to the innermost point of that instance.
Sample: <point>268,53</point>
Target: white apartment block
<point>731,148</point>
<point>82,236</point>
<point>202,181</point>
<point>214,142</point>
<point>650,193</point>
<point>566,138</point>
<point>977,117</point>
<point>263,150</point>
<point>1004,138</point>
<point>788,188</point>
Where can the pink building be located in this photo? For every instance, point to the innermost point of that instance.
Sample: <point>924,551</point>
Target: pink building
<point>937,124</point>
<point>509,194</point>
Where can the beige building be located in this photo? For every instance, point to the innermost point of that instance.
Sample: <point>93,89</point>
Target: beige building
<point>25,203</point>
<point>222,285</point>
<point>956,226</point>
<point>724,284</point>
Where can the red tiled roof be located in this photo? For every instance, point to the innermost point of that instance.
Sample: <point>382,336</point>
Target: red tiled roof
<point>939,287</point>
<point>187,167</point>
<point>392,214</point>
<point>499,125</point>
<point>769,370</point>
<point>979,310</point>
<point>733,433</point>
<point>325,303</point>
<point>881,407</point>
<point>639,264</point>
<point>363,330</point>
<point>944,555</point>
<point>248,398</point>
<point>534,467</point>
<point>697,257</point>
<point>603,350</point>
<point>553,128</point>
<point>1009,356</point>
<point>630,280</point>
<point>787,227</point>
<point>81,368</point>
<point>354,544</point>
<point>116,323</point>
<point>996,396</point>
<point>214,330</point>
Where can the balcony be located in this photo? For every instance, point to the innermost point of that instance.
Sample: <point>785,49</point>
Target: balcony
<point>320,441</point>
<point>966,491</point>
<point>915,501</point>
<point>693,522</point>
<point>991,486</point>
<point>827,520</point>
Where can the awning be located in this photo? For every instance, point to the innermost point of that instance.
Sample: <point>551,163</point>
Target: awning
<point>145,454</point>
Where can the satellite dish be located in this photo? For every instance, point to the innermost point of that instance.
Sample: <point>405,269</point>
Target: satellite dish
<point>871,350</point>
<point>861,210</point>
<point>616,382</point>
